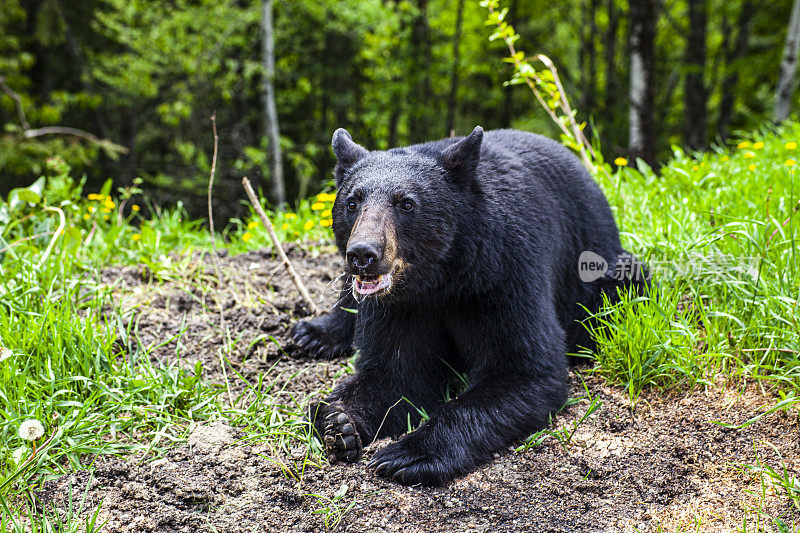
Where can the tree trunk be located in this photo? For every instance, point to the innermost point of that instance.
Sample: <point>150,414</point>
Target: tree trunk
<point>641,127</point>
<point>452,97</point>
<point>270,111</point>
<point>785,89</point>
<point>733,54</point>
<point>419,120</point>
<point>611,99</point>
<point>588,57</point>
<point>695,94</point>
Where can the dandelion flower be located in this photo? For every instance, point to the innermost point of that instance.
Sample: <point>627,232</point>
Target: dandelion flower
<point>327,213</point>
<point>725,158</point>
<point>252,225</point>
<point>92,209</point>
<point>325,223</point>
<point>621,162</point>
<point>106,210</point>
<point>790,163</point>
<point>317,206</point>
<point>290,216</point>
<point>135,237</point>
<point>791,145</point>
<point>749,155</point>
<point>109,203</point>
<point>326,197</point>
<point>695,168</point>
<point>309,225</point>
<point>135,208</point>
<point>758,146</point>
<point>31,430</point>
<point>86,216</point>
<point>752,168</point>
<point>743,144</point>
<point>5,353</point>
<point>94,196</point>
<point>247,236</point>
<point>285,226</point>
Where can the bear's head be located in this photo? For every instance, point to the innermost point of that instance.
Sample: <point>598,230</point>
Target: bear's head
<point>397,213</point>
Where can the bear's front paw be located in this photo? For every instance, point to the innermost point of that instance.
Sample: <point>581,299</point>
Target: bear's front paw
<point>314,339</point>
<point>407,463</point>
<point>338,431</point>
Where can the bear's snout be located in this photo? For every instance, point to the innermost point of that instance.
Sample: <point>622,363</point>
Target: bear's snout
<point>364,256</point>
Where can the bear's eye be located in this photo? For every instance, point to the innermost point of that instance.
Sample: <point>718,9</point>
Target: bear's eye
<point>407,205</point>
<point>351,205</point>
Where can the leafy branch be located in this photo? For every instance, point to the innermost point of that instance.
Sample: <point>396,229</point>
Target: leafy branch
<point>545,84</point>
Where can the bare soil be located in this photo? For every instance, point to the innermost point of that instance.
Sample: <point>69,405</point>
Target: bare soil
<point>663,463</point>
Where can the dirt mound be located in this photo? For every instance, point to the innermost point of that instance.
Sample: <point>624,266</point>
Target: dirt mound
<point>623,469</point>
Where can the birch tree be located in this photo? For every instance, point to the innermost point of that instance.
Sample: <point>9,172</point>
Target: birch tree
<point>641,127</point>
<point>270,111</point>
<point>785,89</point>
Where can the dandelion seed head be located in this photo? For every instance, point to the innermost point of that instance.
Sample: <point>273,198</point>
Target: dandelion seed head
<point>31,429</point>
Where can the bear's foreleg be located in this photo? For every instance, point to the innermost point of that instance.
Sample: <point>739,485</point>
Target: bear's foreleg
<point>493,412</point>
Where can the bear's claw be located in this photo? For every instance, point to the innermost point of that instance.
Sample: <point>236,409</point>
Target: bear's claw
<point>339,434</point>
<point>404,464</point>
<point>314,341</point>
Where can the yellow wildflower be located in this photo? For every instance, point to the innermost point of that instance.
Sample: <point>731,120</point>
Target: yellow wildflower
<point>752,168</point>
<point>621,162</point>
<point>86,216</point>
<point>695,167</point>
<point>135,237</point>
<point>92,209</point>
<point>105,217</point>
<point>325,223</point>
<point>252,225</point>
<point>326,197</point>
<point>285,226</point>
<point>94,196</point>
<point>790,163</point>
<point>247,236</point>
<point>758,146</point>
<point>135,208</point>
<point>327,213</point>
<point>109,203</point>
<point>743,144</point>
<point>309,225</point>
<point>106,210</point>
<point>791,145</point>
<point>317,206</point>
<point>290,216</point>
<point>749,155</point>
<point>725,158</point>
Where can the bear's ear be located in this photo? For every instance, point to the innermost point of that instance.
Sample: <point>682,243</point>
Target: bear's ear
<point>347,152</point>
<point>464,155</point>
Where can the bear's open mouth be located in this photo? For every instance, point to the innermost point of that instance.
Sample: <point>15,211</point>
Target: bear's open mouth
<point>372,284</point>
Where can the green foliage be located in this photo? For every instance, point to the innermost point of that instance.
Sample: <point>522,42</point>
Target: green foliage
<point>148,76</point>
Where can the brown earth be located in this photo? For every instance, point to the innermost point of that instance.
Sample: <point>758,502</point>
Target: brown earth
<point>664,463</point>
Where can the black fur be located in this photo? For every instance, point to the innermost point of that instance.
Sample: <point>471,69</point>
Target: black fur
<point>489,288</point>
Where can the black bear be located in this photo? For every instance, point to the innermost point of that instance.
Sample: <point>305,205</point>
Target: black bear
<point>464,255</point>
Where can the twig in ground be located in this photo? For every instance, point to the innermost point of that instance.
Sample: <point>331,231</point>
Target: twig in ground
<point>217,265</point>
<point>277,243</point>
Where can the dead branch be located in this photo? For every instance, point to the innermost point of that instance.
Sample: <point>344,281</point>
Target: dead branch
<point>17,102</point>
<point>277,243</point>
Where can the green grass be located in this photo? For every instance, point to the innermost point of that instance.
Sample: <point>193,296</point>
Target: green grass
<point>720,236</point>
